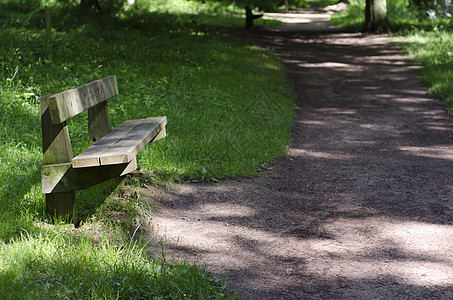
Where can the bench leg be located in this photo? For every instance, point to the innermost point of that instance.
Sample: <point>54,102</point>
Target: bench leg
<point>62,205</point>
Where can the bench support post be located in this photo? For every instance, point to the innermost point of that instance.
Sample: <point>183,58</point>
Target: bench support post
<point>57,149</point>
<point>62,205</point>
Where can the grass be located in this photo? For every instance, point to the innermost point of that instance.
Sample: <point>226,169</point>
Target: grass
<point>353,18</point>
<point>223,96</point>
<point>434,50</point>
<point>53,265</point>
<point>426,40</point>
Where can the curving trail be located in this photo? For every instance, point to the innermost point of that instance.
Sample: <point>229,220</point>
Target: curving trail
<point>362,206</point>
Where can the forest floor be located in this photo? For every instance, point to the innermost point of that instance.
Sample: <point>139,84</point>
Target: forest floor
<point>362,205</point>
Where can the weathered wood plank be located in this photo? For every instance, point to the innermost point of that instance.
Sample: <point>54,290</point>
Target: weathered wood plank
<point>70,103</point>
<point>161,135</point>
<point>122,144</point>
<point>126,149</point>
<point>98,122</point>
<point>90,157</point>
<point>56,142</point>
<point>63,177</point>
<point>53,175</point>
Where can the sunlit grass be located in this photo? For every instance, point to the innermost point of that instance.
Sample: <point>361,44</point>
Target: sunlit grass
<point>434,50</point>
<point>354,17</point>
<point>54,265</point>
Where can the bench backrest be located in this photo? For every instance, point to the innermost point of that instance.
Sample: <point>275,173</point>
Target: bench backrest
<point>65,105</point>
<point>57,108</point>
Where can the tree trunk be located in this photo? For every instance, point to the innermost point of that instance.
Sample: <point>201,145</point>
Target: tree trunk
<point>376,16</point>
<point>90,5</point>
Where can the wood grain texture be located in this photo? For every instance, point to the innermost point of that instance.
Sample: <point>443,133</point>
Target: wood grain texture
<point>122,144</point>
<point>70,103</point>
<point>63,177</point>
<point>56,142</point>
<point>134,142</point>
<point>90,157</point>
<point>161,135</point>
<point>99,123</point>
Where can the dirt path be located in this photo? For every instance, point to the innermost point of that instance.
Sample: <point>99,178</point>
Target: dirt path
<point>362,206</point>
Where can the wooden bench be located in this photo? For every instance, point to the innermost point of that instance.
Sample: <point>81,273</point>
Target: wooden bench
<point>111,154</point>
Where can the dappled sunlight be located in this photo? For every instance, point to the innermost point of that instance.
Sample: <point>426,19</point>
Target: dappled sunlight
<point>433,113</point>
<point>186,189</point>
<point>372,88</point>
<point>227,210</point>
<point>357,39</point>
<point>338,111</point>
<point>412,100</point>
<point>351,212</point>
<point>414,253</point>
<point>388,96</point>
<point>293,152</point>
<point>383,127</point>
<point>333,65</point>
<point>412,109</point>
<point>394,60</point>
<point>290,61</point>
<point>433,127</point>
<point>439,152</point>
<point>297,18</point>
<point>431,240</point>
<point>314,122</point>
<point>420,92</point>
<point>392,77</point>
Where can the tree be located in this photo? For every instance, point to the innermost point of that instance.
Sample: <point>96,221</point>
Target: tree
<point>90,5</point>
<point>376,16</point>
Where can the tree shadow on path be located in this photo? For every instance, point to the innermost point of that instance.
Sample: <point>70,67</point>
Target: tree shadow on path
<point>361,207</point>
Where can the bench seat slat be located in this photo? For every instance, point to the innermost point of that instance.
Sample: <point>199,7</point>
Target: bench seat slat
<point>128,147</point>
<point>90,157</point>
<point>122,144</point>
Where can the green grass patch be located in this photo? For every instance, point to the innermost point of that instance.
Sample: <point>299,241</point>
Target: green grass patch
<point>434,50</point>
<point>353,18</point>
<point>54,265</point>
